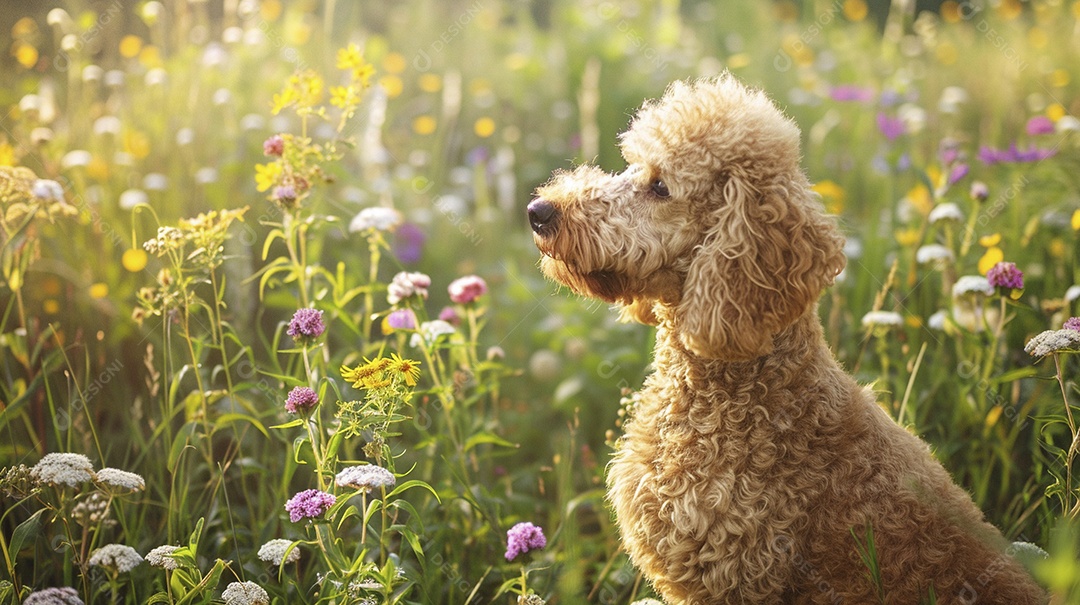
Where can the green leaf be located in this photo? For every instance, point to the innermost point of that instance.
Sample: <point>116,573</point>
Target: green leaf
<point>1017,374</point>
<point>26,532</point>
<point>411,484</point>
<point>193,540</point>
<point>227,419</point>
<point>487,437</point>
<point>290,424</point>
<point>161,597</point>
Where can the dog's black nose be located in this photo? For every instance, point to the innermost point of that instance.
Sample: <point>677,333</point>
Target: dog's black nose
<point>542,215</point>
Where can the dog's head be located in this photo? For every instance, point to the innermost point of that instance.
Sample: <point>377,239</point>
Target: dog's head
<point>712,228</point>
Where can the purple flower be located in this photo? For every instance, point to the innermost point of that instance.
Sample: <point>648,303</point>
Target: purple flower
<point>1039,125</point>
<point>285,193</point>
<point>409,243</point>
<point>405,285</point>
<point>465,290</point>
<point>301,400</point>
<point>948,151</point>
<point>851,92</point>
<point>990,156</point>
<point>522,538</point>
<point>958,172</point>
<point>402,319</point>
<point>274,146</point>
<point>309,504</point>
<point>450,316</point>
<point>306,324</point>
<point>1005,275</point>
<point>891,127</point>
<point>979,191</point>
<point>1073,323</point>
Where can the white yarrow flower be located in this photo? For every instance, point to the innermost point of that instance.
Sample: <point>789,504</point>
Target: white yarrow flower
<point>366,477</point>
<point>946,212</point>
<point>116,478</point>
<point>933,254</point>
<point>378,218</point>
<point>937,320</point>
<point>159,557</point>
<point>63,469</point>
<point>273,552</point>
<point>430,331</point>
<point>972,284</point>
<point>245,593</point>
<point>133,197</point>
<point>47,189</point>
<point>882,319</point>
<point>75,158</point>
<point>1053,341</point>
<point>118,557</point>
<point>1072,293</point>
<point>53,596</point>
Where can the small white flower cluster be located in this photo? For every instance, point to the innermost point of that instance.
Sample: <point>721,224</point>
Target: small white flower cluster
<point>946,212</point>
<point>92,510</point>
<point>378,218</point>
<point>245,593</point>
<point>1053,341</point>
<point>935,254</point>
<point>882,319</point>
<point>63,469</point>
<point>273,552</point>
<point>160,557</point>
<point>53,596</point>
<point>48,190</point>
<point>120,480</point>
<point>118,557</point>
<point>972,284</point>
<point>366,477</point>
<point>429,333</point>
<point>405,285</point>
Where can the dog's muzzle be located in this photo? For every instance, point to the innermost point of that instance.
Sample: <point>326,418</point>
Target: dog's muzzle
<point>542,216</point>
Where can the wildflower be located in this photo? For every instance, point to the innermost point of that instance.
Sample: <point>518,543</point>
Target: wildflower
<point>409,243</point>
<point>972,284</point>
<point>301,400</point>
<point>53,596</point>
<point>306,324</point>
<point>1067,124</point>
<point>161,557</point>
<point>17,482</point>
<point>1073,323</point>
<point>1005,275</point>
<point>402,319</point>
<point>92,510</point>
<point>121,480</point>
<point>405,285</point>
<point>155,181</point>
<point>522,538</point>
<point>957,173</point>
<point>377,218</point>
<point>450,316</point>
<point>274,146</point>
<point>1039,125</point>
<point>429,333</point>
<point>933,254</point>
<point>245,593</point>
<point>991,156</point>
<point>851,92</point>
<point>206,175</point>
<point>365,478</point>
<point>889,126</point>
<point>63,469</point>
<point>273,552</point>
<point>309,504</point>
<point>407,369</point>
<point>946,212</point>
<point>132,198</point>
<point>937,320</point>
<point>1072,293</point>
<point>76,158</point>
<point>117,557</point>
<point>1053,341</point>
<point>46,189</point>
<point>267,175</point>
<point>368,375</point>
<point>883,319</point>
<point>465,290</point>
<point>979,191</point>
<point>285,194</point>
<point>495,353</point>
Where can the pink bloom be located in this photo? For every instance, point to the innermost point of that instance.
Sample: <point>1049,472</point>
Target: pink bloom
<point>466,289</point>
<point>306,324</point>
<point>402,319</point>
<point>1005,275</point>
<point>450,316</point>
<point>522,538</point>
<point>309,504</point>
<point>407,284</point>
<point>1073,323</point>
<point>274,146</point>
<point>300,400</point>
<point>1040,125</point>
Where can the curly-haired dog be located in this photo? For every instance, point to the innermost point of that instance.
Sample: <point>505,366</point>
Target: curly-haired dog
<point>751,459</point>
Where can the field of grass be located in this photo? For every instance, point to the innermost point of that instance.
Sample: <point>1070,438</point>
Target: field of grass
<point>251,248</point>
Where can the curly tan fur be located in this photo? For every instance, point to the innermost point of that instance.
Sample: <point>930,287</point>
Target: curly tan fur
<point>750,455</point>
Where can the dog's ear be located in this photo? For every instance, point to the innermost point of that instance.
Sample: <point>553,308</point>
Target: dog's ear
<point>763,263</point>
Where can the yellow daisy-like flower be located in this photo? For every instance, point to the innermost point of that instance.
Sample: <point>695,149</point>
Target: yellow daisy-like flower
<point>989,241</point>
<point>368,375</point>
<point>349,57</point>
<point>408,369</point>
<point>993,256</point>
<point>343,96</point>
<point>267,175</point>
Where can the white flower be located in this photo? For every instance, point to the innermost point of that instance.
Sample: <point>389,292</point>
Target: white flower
<point>972,284</point>
<point>1067,124</point>
<point>47,189</point>
<point>378,218</point>
<point>221,96</point>
<point>206,175</point>
<point>185,136</point>
<point>273,552</point>
<point>159,557</point>
<point>245,593</point>
<point>155,181</point>
<point>1072,293</point>
<point>913,116</point>
<point>75,158</point>
<point>252,121</point>
<point>946,212</point>
<point>133,197</point>
<point>58,16</point>
<point>156,76</point>
<point>53,596</point>
<point>63,469</point>
<point>232,35</point>
<point>29,103</point>
<point>92,510</point>
<point>214,55</point>
<point>937,320</point>
<point>114,78</point>
<point>951,99</point>
<point>114,477</point>
<point>933,253</point>
<point>407,284</point>
<point>119,557</point>
<point>429,333</point>
<point>107,125</point>
<point>647,602</point>
<point>882,319</point>
<point>92,73</point>
<point>365,477</point>
<point>1053,341</point>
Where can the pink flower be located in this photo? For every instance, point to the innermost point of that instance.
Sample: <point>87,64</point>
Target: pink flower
<point>1073,323</point>
<point>465,290</point>
<point>1040,125</point>
<point>402,319</point>
<point>274,146</point>
<point>309,504</point>
<point>522,538</point>
<point>301,400</point>
<point>1005,275</point>
<point>306,324</point>
<point>450,316</point>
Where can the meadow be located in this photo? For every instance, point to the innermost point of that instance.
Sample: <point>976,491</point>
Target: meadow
<point>272,328</point>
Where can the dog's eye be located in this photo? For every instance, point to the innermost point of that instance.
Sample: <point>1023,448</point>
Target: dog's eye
<point>660,188</point>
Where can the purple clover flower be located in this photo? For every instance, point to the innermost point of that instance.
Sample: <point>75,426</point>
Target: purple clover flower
<point>851,92</point>
<point>465,290</point>
<point>891,127</point>
<point>402,319</point>
<point>1039,125</point>
<point>1073,323</point>
<point>309,504</point>
<point>306,324</point>
<point>450,316</point>
<point>1005,275</point>
<point>522,538</point>
<point>301,400</point>
<point>274,146</point>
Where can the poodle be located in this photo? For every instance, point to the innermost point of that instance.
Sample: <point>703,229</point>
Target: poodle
<point>753,469</point>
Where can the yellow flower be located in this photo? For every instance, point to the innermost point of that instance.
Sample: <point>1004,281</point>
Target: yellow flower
<point>738,60</point>
<point>130,46</point>
<point>25,54</point>
<point>855,10</point>
<point>136,144</point>
<point>993,256</point>
<point>7,154</point>
<point>368,375</point>
<point>832,194</point>
<point>424,125</point>
<point>267,175</point>
<point>134,260</point>
<point>392,85</point>
<point>1075,222</point>
<point>430,83</point>
<point>919,196</point>
<point>484,127</point>
<point>408,369</point>
<point>907,237</point>
<point>99,290</point>
<point>343,96</point>
<point>394,63</point>
<point>1058,249</point>
<point>989,241</point>
<point>1056,111</point>
<point>349,57</point>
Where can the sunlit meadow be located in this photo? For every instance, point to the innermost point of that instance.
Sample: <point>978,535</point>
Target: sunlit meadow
<point>272,329</point>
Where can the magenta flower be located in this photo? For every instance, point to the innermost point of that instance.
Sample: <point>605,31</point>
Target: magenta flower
<point>851,92</point>
<point>1039,125</point>
<point>285,193</point>
<point>450,316</point>
<point>522,538</point>
<point>958,172</point>
<point>309,504</point>
<point>1073,323</point>
<point>1005,275</point>
<point>306,324</point>
<point>409,243</point>
<point>979,191</point>
<point>465,290</point>
<point>889,126</point>
<point>301,400</point>
<point>402,319</point>
<point>274,146</point>
<point>1013,154</point>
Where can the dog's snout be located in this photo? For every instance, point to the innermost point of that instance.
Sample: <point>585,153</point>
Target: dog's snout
<point>542,215</point>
